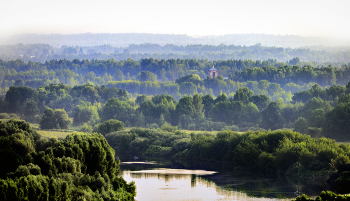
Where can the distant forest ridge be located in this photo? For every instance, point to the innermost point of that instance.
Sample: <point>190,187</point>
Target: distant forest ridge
<point>125,39</point>
<point>319,55</point>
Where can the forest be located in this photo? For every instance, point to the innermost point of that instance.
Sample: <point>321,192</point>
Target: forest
<point>41,52</point>
<point>79,167</point>
<point>268,77</point>
<point>317,111</point>
<point>270,117</point>
<point>308,99</point>
<point>125,39</point>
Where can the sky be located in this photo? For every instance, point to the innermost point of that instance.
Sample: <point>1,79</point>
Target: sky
<point>320,18</point>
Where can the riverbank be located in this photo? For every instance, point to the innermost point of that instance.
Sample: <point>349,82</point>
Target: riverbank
<point>226,180</point>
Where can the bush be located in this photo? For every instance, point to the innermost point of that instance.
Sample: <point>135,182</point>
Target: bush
<point>153,126</point>
<point>211,126</point>
<point>86,128</point>
<point>300,125</point>
<point>324,196</point>
<point>4,116</point>
<point>169,128</point>
<point>109,126</point>
<point>232,128</point>
<point>314,132</point>
<point>155,150</point>
<point>139,145</point>
<point>54,119</point>
<point>340,162</point>
<point>14,116</point>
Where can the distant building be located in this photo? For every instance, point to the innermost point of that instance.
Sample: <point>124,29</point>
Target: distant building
<point>213,73</point>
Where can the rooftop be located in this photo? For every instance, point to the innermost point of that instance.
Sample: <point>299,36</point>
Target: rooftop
<point>213,68</point>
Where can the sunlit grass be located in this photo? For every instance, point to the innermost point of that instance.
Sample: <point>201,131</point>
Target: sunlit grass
<point>53,134</point>
<point>62,133</point>
<point>189,131</point>
<point>208,132</point>
<point>200,132</point>
<point>74,128</point>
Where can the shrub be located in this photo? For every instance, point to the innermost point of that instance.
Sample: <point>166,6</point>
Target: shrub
<point>139,145</point>
<point>300,125</point>
<point>54,119</point>
<point>109,126</point>
<point>4,116</point>
<point>232,128</point>
<point>86,128</point>
<point>169,128</point>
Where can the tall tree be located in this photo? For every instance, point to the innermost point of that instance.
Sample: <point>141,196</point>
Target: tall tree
<point>272,117</point>
<point>261,101</point>
<point>185,107</point>
<point>116,109</point>
<point>243,94</point>
<point>188,88</point>
<point>208,101</point>
<point>249,113</point>
<point>147,76</point>
<point>300,125</point>
<point>61,118</point>
<point>337,122</point>
<point>48,121</point>
<point>198,106</point>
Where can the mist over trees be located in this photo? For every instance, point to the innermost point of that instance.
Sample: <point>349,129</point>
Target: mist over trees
<point>255,95</point>
<point>317,111</point>
<point>125,39</point>
<point>160,97</point>
<point>139,93</point>
<point>153,76</point>
<point>43,52</point>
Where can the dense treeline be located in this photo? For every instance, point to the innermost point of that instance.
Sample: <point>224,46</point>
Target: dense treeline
<point>124,39</point>
<point>162,46</point>
<point>42,53</point>
<point>152,76</point>
<point>179,67</point>
<point>80,167</point>
<point>293,155</point>
<point>81,102</point>
<point>281,152</point>
<point>324,196</point>
<point>317,111</point>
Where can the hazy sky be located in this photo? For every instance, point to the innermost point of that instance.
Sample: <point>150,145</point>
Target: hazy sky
<point>191,17</point>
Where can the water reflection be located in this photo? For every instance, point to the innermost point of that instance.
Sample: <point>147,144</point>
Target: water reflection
<point>162,186</point>
<point>180,181</point>
<point>175,171</point>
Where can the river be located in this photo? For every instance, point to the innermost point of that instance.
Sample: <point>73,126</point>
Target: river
<point>169,180</point>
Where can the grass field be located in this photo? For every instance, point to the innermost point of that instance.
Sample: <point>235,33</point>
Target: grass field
<point>53,133</point>
<point>59,133</point>
<point>190,131</point>
<point>62,133</point>
<point>199,132</point>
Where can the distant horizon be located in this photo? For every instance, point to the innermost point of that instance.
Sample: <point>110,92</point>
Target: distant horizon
<point>184,34</point>
<point>191,17</point>
<point>126,39</point>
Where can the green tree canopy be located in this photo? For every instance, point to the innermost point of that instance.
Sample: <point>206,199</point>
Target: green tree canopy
<point>188,88</point>
<point>147,76</point>
<point>17,141</point>
<point>54,119</point>
<point>109,126</point>
<point>243,94</point>
<point>300,125</point>
<point>272,117</point>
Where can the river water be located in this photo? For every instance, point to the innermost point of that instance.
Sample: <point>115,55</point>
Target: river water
<point>174,181</point>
